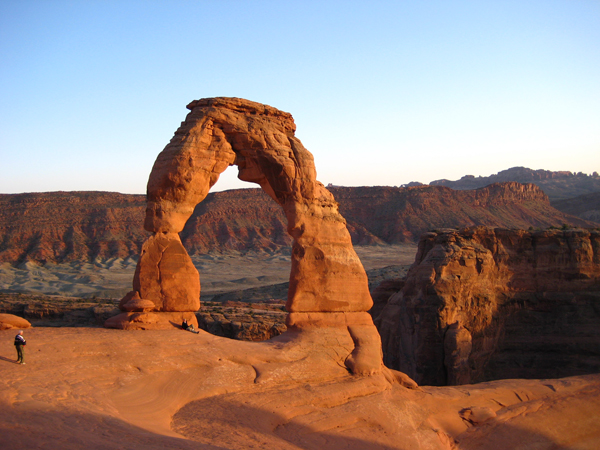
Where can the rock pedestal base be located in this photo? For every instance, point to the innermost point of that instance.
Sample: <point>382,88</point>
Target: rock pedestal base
<point>366,357</point>
<point>151,320</point>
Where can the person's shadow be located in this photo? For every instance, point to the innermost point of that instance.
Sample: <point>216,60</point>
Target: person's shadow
<point>3,358</point>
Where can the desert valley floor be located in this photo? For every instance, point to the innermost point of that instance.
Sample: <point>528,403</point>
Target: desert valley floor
<point>219,272</point>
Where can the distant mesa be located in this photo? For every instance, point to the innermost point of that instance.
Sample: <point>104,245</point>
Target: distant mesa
<point>557,185</point>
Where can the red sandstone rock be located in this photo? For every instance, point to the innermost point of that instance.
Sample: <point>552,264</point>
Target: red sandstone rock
<point>260,140</point>
<point>10,321</point>
<point>457,349</point>
<point>139,305</point>
<point>477,414</point>
<point>166,275</point>
<point>527,302</point>
<point>326,275</point>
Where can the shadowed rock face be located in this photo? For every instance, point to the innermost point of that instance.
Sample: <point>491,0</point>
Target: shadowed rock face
<point>485,303</point>
<point>326,275</point>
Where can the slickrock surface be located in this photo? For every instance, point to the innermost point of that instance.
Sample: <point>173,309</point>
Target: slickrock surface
<point>102,388</point>
<point>485,303</point>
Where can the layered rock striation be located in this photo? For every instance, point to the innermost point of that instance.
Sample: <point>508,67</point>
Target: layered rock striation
<point>482,304</point>
<point>384,215</point>
<point>64,227</point>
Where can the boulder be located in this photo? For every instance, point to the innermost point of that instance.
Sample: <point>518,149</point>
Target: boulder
<point>10,321</point>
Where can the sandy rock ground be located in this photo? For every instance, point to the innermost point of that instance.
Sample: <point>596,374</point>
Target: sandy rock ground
<point>105,389</point>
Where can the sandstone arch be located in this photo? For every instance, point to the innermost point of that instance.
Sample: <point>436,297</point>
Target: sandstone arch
<point>328,285</point>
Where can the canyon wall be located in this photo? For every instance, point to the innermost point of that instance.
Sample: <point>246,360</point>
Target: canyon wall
<point>62,227</point>
<point>483,304</point>
<point>70,226</point>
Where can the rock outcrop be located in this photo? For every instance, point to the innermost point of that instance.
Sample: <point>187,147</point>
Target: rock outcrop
<point>483,304</point>
<point>328,284</point>
<point>10,321</point>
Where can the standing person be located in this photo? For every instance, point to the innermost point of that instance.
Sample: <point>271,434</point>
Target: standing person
<point>20,343</point>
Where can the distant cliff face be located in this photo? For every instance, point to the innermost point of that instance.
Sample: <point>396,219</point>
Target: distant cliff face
<point>485,304</point>
<point>557,185</point>
<point>69,226</point>
<point>394,215</point>
<point>584,206</point>
<point>240,220</point>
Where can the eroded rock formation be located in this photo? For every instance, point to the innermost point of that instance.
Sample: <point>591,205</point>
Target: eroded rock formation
<point>10,321</point>
<point>484,304</point>
<point>328,285</point>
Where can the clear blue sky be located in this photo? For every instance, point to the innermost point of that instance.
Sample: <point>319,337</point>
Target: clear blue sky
<point>382,92</point>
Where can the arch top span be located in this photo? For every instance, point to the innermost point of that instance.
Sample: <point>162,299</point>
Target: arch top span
<point>328,284</point>
<point>217,133</point>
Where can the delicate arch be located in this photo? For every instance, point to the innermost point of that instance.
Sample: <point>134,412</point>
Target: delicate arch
<point>328,284</point>
<point>326,274</point>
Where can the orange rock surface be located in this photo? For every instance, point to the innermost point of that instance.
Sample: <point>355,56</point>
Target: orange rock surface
<point>166,275</point>
<point>10,321</point>
<point>326,274</point>
<point>100,388</point>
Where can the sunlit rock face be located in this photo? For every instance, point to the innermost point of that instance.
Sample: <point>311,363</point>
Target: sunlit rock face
<point>483,303</point>
<point>326,274</point>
